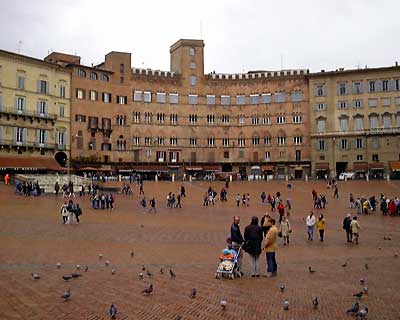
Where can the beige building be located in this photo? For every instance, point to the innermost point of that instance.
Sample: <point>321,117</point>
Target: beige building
<point>35,113</point>
<point>355,121</point>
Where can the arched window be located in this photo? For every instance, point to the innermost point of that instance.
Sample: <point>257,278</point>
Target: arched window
<point>81,73</point>
<point>93,75</point>
<point>104,77</point>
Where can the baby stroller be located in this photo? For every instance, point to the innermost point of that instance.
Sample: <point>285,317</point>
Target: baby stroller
<point>228,265</point>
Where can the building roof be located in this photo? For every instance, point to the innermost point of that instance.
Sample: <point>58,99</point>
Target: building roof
<point>342,71</point>
<point>30,163</point>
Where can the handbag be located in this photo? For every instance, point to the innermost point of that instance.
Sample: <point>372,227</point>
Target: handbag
<point>280,234</point>
<point>246,246</point>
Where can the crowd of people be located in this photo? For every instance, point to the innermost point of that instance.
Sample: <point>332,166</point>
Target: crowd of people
<point>28,188</point>
<point>366,205</point>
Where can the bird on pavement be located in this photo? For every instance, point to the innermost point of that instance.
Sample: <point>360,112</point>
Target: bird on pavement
<point>223,304</point>
<point>315,302</point>
<point>362,314</point>
<point>140,276</point>
<point>311,270</point>
<point>67,278</point>
<point>66,295</point>
<point>149,274</point>
<point>344,264</point>
<point>358,294</point>
<point>193,293</point>
<point>132,254</point>
<point>76,275</point>
<point>362,281</point>
<point>58,265</point>
<point>77,267</point>
<point>86,268</point>
<point>282,287</point>
<point>365,290</point>
<point>35,276</point>
<point>162,271</point>
<point>113,271</point>
<point>148,290</point>
<point>286,305</point>
<point>143,268</point>
<point>172,274</point>
<point>366,266</point>
<point>113,311</point>
<point>354,308</point>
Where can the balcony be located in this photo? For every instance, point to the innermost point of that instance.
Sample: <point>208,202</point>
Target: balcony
<point>365,132</point>
<point>11,112</point>
<point>29,145</point>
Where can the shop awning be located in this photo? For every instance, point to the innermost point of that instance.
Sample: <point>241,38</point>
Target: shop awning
<point>376,166</point>
<point>255,168</point>
<point>360,166</point>
<point>193,168</point>
<point>211,167</point>
<point>394,165</point>
<point>150,168</point>
<point>267,167</point>
<point>33,163</point>
<point>322,166</point>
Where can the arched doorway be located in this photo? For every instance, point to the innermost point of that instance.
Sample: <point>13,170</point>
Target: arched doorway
<point>61,158</point>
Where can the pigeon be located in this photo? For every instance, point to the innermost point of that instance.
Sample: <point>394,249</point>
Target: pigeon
<point>100,256</point>
<point>362,281</point>
<point>66,295</point>
<point>193,293</point>
<point>396,254</point>
<point>223,304</point>
<point>380,248</point>
<point>162,271</point>
<point>178,318</point>
<point>172,274</point>
<point>147,291</point>
<point>107,263</point>
<point>113,311</point>
<point>143,268</point>
<point>282,287</point>
<point>78,267</point>
<point>132,254</point>
<point>86,268</point>
<point>149,274</point>
<point>76,275</point>
<point>67,278</point>
<point>365,290</point>
<point>311,270</point>
<point>354,308</point>
<point>366,266</point>
<point>315,302</point>
<point>140,275</point>
<point>35,276</point>
<point>113,271</point>
<point>362,314</point>
<point>286,305</point>
<point>344,265</point>
<point>359,294</point>
<point>142,226</point>
<point>58,265</point>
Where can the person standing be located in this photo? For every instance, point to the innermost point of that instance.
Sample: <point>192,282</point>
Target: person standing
<point>238,200</point>
<point>310,222</point>
<point>178,201</point>
<point>336,192</point>
<point>270,249</point>
<point>141,191</point>
<point>285,230</point>
<point>321,226</point>
<point>183,192</point>
<point>153,205</point>
<point>56,188</point>
<point>347,228</point>
<point>263,197</point>
<point>281,211</point>
<point>253,237</point>
<point>78,212</point>
<point>355,229</point>
<point>237,239</point>
<point>64,212</point>
<point>7,179</point>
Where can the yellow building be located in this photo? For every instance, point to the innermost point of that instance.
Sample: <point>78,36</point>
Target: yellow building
<point>355,121</point>
<point>35,108</point>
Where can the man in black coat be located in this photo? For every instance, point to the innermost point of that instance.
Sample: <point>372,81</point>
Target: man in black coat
<point>237,239</point>
<point>253,236</point>
<point>347,228</point>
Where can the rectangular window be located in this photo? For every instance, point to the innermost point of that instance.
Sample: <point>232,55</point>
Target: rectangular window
<point>342,105</point>
<point>267,141</point>
<point>210,119</point>
<point>357,87</point>
<point>41,136</point>
<point>375,157</point>
<point>240,100</point>
<point>122,99</point>
<point>225,100</point>
<point>385,102</point>
<point>225,118</point>
<point>21,82</point>
<point>254,98</point>
<point>397,84</point>
<point>173,98</point>
<point>371,86</point>
<point>266,98</point>
<point>320,106</point>
<point>211,142</point>
<point>193,99</point>
<point>297,96</point>
<point>225,142</point>
<point>43,87</point>
<point>372,103</point>
<point>341,89</point>
<point>19,135</point>
<point>297,140</point>
<point>255,120</point>
<point>359,143</point>
<point>226,154</point>
<point>256,141</point>
<point>358,123</point>
<point>385,85</point>
<point>193,141</point>
<point>373,122</point>
<point>62,91</point>
<point>62,110</point>
<point>387,121</point>
<point>241,142</point>
<point>193,80</point>
<point>281,141</point>
<point>93,95</point>
<point>136,116</point>
<point>241,119</point>
<point>359,157</point>
<point>173,117</point>
<point>280,97</point>
<point>192,65</point>
<point>80,94</point>
<point>148,153</point>
<point>160,156</point>
<point>42,107</point>
<point>344,144</point>
<point>136,141</point>
<point>397,100</point>
<point>280,120</point>
<point>106,97</point>
<point>321,124</point>
<point>161,97</point>
<point>266,120</point>
<point>320,90</point>
<point>321,145</point>
<point>61,138</point>
<point>173,141</point>
<point>297,119</point>
<point>267,156</point>
<point>344,124</point>
<point>147,96</point>
<point>210,99</point>
<point>137,95</point>
<point>20,104</point>
<point>357,104</point>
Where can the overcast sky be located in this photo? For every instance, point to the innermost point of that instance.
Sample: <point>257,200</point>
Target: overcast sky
<point>239,35</point>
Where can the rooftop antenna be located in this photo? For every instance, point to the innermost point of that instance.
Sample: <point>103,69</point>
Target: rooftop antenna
<point>19,46</point>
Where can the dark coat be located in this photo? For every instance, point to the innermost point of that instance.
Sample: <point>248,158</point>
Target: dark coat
<point>253,236</point>
<point>236,235</point>
<point>346,223</point>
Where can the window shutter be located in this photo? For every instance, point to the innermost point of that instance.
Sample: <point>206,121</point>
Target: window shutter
<point>317,145</point>
<point>315,91</point>
<point>37,135</point>
<point>46,108</point>
<point>1,103</point>
<point>337,89</point>
<point>38,107</point>
<point>392,85</point>
<point>46,136</point>
<point>38,86</point>
<point>24,105</point>
<point>1,134</point>
<point>338,105</point>
<point>14,135</point>
<point>66,136</point>
<point>16,103</point>
<point>378,86</point>
<point>24,135</point>
<point>47,87</point>
<point>349,88</point>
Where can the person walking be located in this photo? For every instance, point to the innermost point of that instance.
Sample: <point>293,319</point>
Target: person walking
<point>64,212</point>
<point>336,192</point>
<point>321,226</point>
<point>355,229</point>
<point>178,201</point>
<point>56,188</point>
<point>237,240</point>
<point>270,249</point>
<point>253,237</point>
<point>141,191</point>
<point>183,191</point>
<point>310,222</point>
<point>238,198</point>
<point>347,228</point>
<point>78,212</point>
<point>7,179</point>
<point>153,205</point>
<point>285,230</point>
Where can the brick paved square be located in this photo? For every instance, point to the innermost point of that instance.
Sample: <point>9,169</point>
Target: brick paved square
<point>189,240</point>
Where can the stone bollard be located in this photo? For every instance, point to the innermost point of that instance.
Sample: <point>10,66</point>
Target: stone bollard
<point>156,178</point>
<point>306,177</point>
<point>287,178</point>
<point>345,178</point>
<point>388,177</point>
<point>230,178</point>
<point>190,178</point>
<point>367,177</point>
<point>173,177</point>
